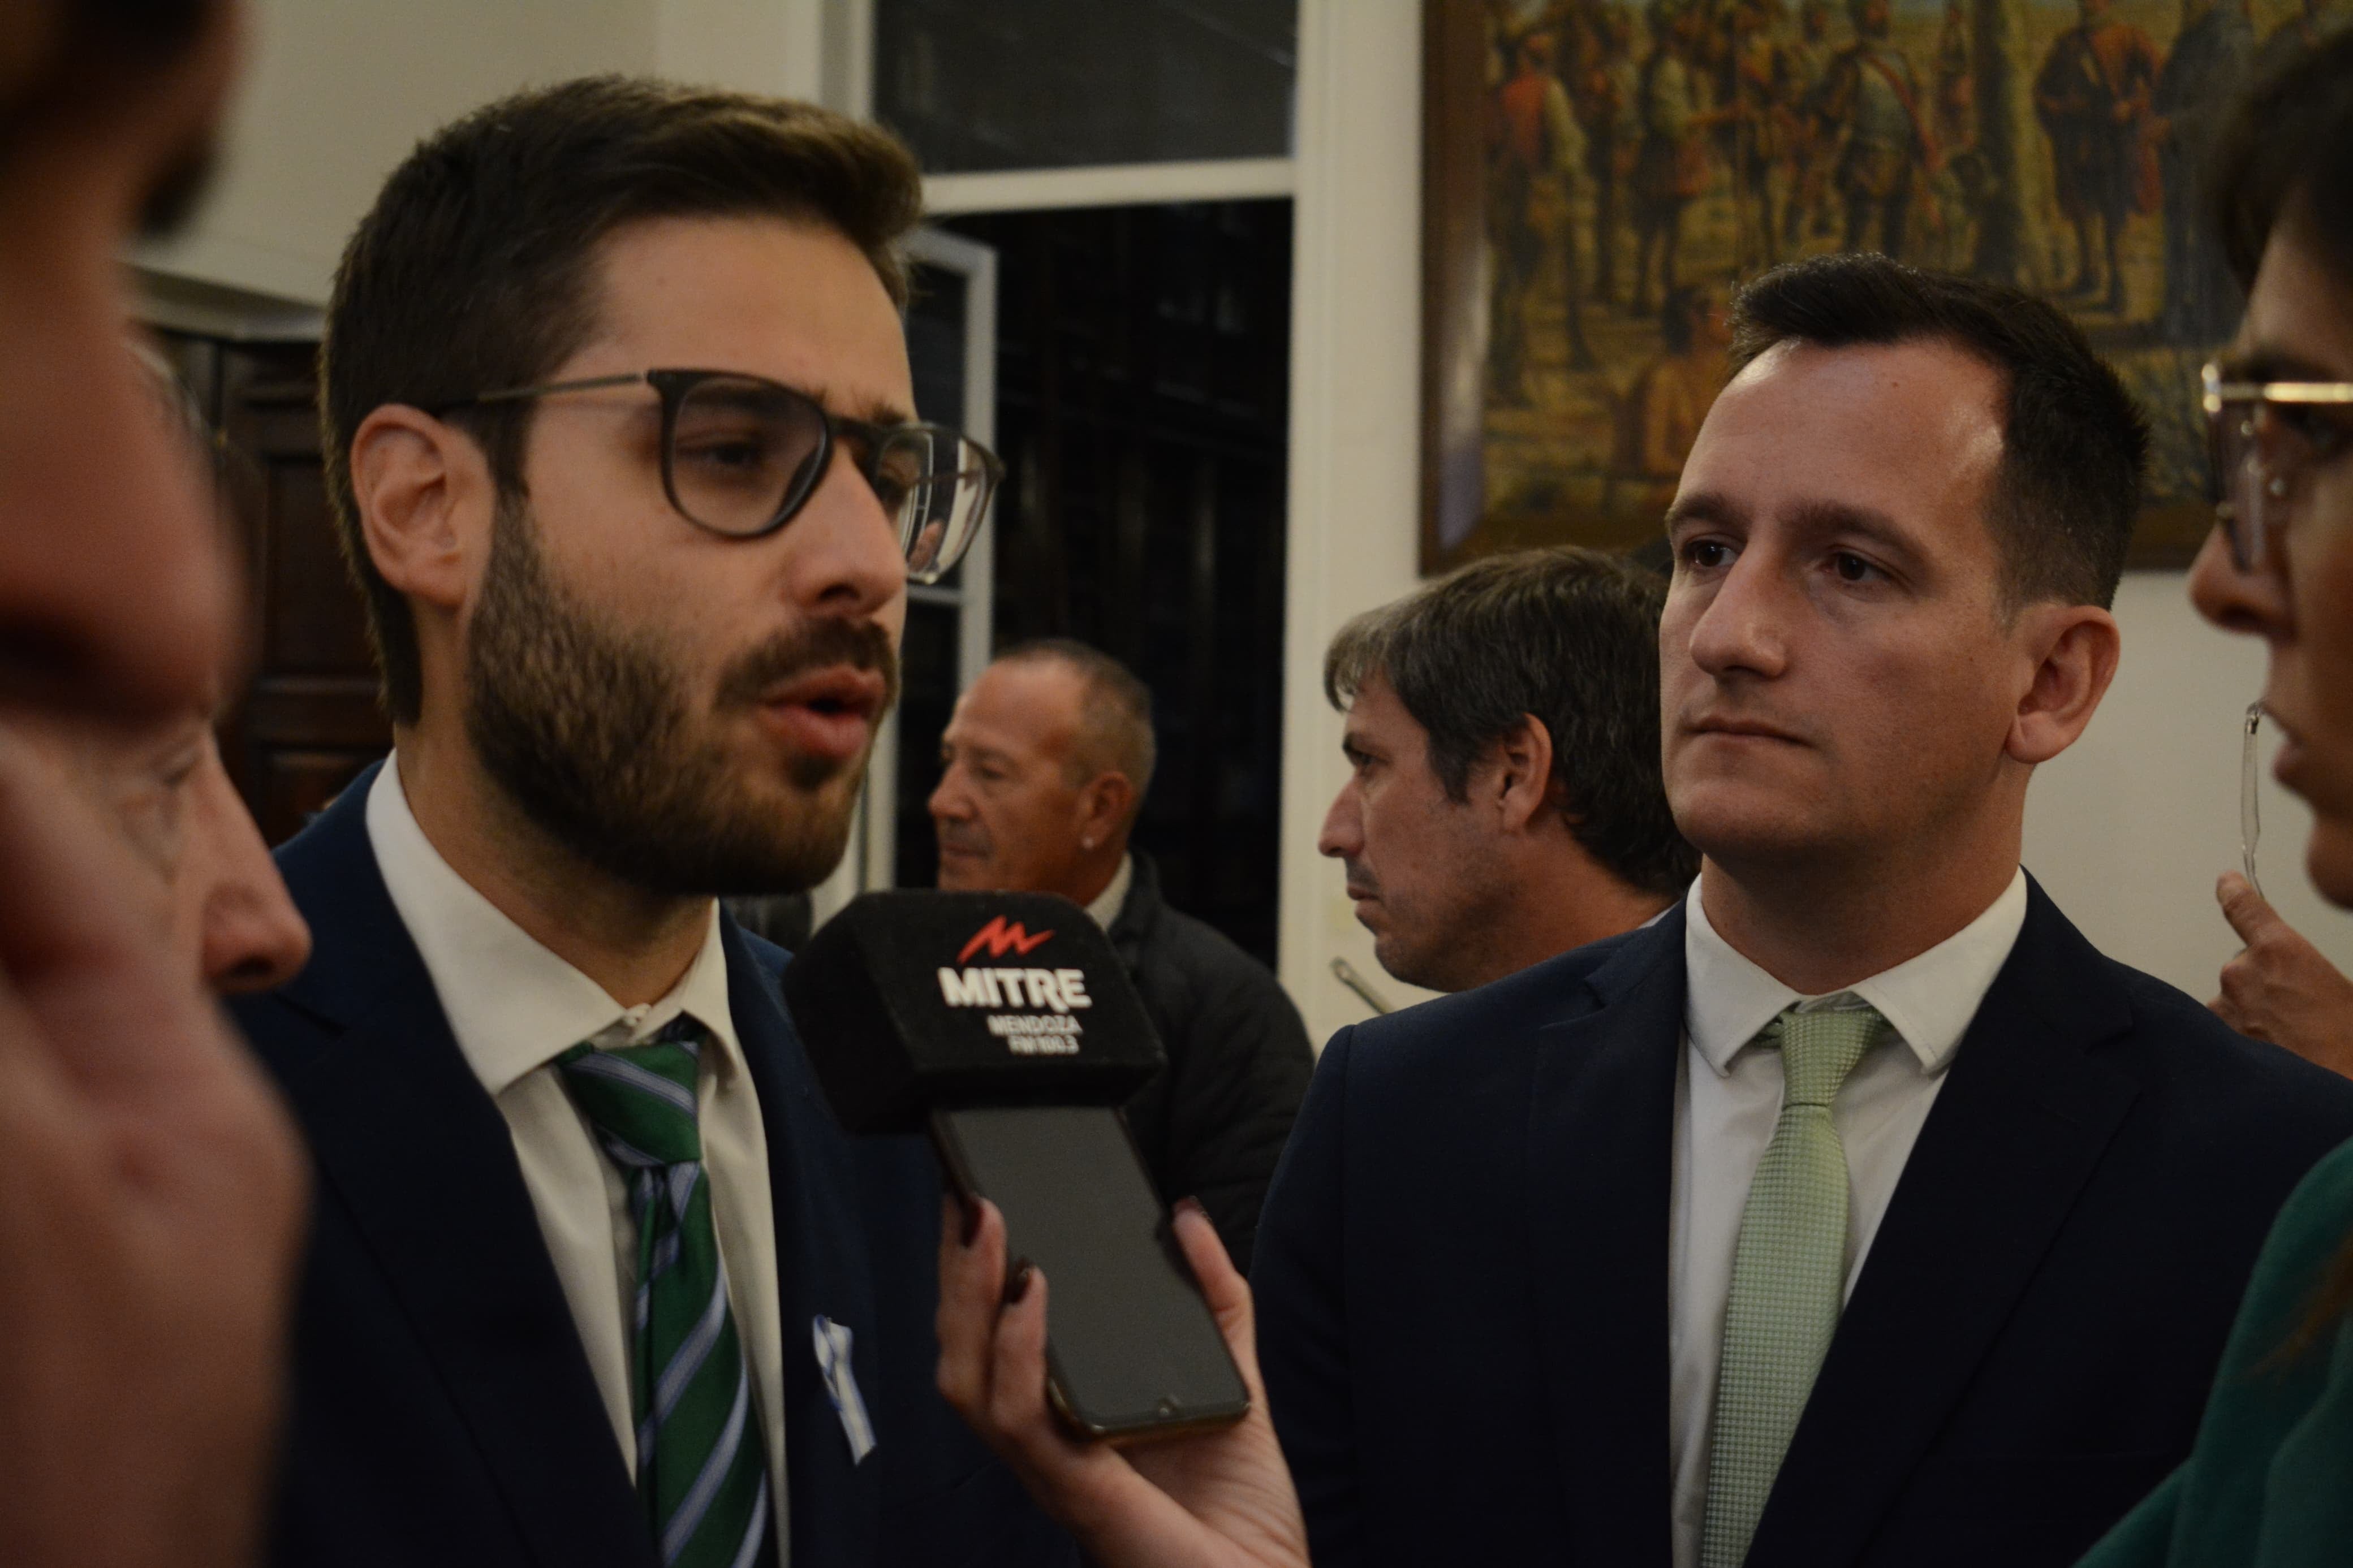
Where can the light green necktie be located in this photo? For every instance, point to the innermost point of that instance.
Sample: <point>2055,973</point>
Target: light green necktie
<point>1788,1276</point>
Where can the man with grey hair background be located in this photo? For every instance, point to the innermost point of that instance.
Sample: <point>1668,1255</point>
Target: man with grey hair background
<point>1046,765</point>
<point>1503,802</point>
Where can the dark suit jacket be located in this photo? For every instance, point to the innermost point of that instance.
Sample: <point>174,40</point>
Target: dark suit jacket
<point>444,1410</point>
<point>1211,1124</point>
<point>1462,1273</point>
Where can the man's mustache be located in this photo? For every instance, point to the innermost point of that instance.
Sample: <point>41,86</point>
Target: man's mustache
<point>820,645</point>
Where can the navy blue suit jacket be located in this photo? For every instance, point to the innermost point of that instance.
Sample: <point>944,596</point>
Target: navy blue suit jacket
<point>444,1411</point>
<point>1461,1272</point>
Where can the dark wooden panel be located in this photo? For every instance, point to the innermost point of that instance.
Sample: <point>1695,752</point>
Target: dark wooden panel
<point>296,785</point>
<point>307,719</point>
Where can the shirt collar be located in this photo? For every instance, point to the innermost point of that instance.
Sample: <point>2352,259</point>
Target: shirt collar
<point>1114,898</point>
<point>1929,999</point>
<point>513,1004</point>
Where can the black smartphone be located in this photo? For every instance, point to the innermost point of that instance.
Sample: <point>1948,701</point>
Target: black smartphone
<point>1132,1350</point>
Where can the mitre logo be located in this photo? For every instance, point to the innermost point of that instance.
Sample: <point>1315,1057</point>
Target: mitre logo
<point>1000,938</point>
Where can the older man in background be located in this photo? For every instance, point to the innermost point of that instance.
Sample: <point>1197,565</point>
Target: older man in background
<point>1048,759</point>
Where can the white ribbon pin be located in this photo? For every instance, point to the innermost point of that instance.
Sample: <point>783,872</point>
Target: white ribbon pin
<point>841,1385</point>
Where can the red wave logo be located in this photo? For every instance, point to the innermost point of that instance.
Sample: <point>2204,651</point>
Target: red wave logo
<point>1000,939</point>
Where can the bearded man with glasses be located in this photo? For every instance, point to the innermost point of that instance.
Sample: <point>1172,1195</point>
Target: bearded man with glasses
<point>621,438</point>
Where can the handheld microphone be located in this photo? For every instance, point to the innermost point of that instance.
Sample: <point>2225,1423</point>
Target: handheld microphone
<point>1006,1026</point>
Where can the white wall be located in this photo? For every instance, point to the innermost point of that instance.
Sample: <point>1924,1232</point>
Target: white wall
<point>337,91</point>
<point>2129,828</point>
<point>1356,383</point>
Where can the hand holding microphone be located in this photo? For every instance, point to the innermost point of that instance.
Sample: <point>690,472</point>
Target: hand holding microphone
<point>1005,1025</point>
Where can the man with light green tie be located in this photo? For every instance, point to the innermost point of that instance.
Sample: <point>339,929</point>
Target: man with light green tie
<point>1857,1212</point>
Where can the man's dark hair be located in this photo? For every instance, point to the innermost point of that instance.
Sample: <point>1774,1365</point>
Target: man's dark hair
<point>1115,716</point>
<point>476,268</point>
<point>2287,154</point>
<point>1569,636</point>
<point>2074,445</point>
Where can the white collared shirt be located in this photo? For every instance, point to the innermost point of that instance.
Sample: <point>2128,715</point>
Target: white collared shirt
<point>1726,1103</point>
<point>1114,898</point>
<point>515,1006</point>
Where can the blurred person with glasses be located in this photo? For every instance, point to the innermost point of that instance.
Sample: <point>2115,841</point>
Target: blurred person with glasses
<point>2262,435</point>
<point>2265,1484</point>
<point>154,1187</point>
<point>622,444</point>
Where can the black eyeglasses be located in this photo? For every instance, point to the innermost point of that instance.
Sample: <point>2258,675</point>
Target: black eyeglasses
<point>740,455</point>
<point>2261,438</point>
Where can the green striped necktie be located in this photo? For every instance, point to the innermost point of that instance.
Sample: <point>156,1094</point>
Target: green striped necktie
<point>702,1471</point>
<point>1788,1275</point>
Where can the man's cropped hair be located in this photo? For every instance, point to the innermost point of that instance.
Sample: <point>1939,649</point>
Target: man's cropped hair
<point>1114,711</point>
<point>2286,153</point>
<point>476,270</point>
<point>2074,445</point>
<point>1568,635</point>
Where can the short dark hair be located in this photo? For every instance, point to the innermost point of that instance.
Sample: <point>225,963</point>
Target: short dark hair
<point>475,270</point>
<point>1115,723</point>
<point>1568,635</point>
<point>2074,445</point>
<point>2287,151</point>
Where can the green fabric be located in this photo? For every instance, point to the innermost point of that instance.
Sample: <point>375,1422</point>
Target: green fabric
<point>2270,1481</point>
<point>1788,1275</point>
<point>702,1472</point>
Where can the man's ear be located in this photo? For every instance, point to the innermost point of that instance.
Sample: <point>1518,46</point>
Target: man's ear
<point>426,500</point>
<point>1103,804</point>
<point>1521,761</point>
<point>2075,648</point>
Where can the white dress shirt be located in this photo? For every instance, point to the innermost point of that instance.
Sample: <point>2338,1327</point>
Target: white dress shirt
<point>1726,1103</point>
<point>1114,898</point>
<point>514,1008</point>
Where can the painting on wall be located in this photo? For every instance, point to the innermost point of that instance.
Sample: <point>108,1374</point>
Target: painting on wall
<point>1599,178</point>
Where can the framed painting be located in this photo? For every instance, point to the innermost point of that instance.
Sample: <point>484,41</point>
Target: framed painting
<point>1599,178</point>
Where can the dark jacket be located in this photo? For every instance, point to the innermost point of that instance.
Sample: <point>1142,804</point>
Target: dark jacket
<point>1211,1127</point>
<point>1461,1278</point>
<point>2265,1485</point>
<point>443,1409</point>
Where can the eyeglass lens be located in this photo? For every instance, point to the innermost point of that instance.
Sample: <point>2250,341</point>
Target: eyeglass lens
<point>2242,482</point>
<point>744,453</point>
<point>2250,827</point>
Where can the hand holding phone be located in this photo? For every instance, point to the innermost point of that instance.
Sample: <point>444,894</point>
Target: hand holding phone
<point>1214,1499</point>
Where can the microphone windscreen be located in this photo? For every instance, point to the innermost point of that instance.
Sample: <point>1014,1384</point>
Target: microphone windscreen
<point>917,1000</point>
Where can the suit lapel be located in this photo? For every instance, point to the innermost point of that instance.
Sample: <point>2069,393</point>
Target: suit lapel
<point>418,1156</point>
<point>2014,1134</point>
<point>1601,1128</point>
<point>821,1271</point>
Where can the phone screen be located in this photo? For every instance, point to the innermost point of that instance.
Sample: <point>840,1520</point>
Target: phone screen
<point>1132,1348</point>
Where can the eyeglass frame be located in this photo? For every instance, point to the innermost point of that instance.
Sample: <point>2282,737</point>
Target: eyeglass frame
<point>2217,396</point>
<point>673,384</point>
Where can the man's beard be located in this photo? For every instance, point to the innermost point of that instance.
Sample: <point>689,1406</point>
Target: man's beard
<point>589,727</point>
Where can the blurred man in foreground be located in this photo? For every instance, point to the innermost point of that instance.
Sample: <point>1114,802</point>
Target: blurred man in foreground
<point>1503,802</point>
<point>1047,762</point>
<point>155,1188</point>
